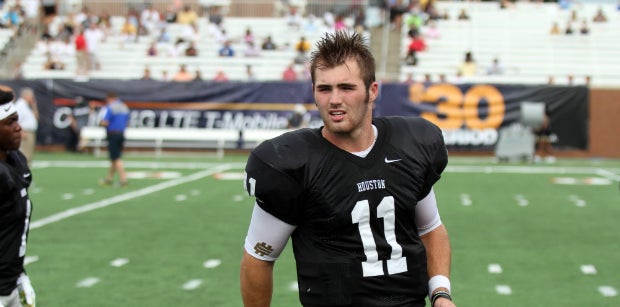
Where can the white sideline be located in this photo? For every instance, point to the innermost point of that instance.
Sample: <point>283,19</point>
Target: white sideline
<point>94,136</point>
<point>127,196</point>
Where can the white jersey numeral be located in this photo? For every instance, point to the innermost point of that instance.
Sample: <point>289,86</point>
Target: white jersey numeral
<point>361,216</point>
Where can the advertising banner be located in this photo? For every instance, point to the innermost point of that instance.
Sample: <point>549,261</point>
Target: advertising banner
<point>468,114</point>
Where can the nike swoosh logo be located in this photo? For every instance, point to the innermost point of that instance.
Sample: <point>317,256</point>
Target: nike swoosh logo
<point>26,175</point>
<point>391,161</point>
<point>7,109</point>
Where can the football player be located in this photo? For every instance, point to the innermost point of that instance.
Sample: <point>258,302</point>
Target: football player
<point>15,208</point>
<point>356,197</point>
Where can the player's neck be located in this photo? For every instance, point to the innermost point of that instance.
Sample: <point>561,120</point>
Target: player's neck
<point>355,144</point>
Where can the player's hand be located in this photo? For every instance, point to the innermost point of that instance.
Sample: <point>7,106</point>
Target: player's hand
<point>26,291</point>
<point>444,302</point>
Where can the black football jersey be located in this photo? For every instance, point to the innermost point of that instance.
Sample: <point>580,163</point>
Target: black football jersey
<point>356,242</point>
<point>15,209</point>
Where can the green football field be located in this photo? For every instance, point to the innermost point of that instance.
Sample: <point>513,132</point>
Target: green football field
<point>522,234</point>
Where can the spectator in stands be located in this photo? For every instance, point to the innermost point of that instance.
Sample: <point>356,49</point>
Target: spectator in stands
<point>215,16</point>
<point>417,44</point>
<point>164,36</point>
<point>432,31</point>
<point>49,10</point>
<point>463,15</point>
<point>550,80</point>
<point>227,50</point>
<point>149,19</point>
<point>289,74</point>
<point>251,50</point>
<point>570,80</point>
<point>220,76</point>
<point>569,28</point>
<point>115,117</point>
<point>495,68</point>
<point>146,74</point>
<point>249,72</point>
<point>14,17</point>
<point>129,32</point>
<point>187,16</point>
<point>428,80</point>
<point>409,79</point>
<point>28,112</point>
<point>413,31</point>
<point>152,51</point>
<point>248,37</point>
<point>303,45</point>
<point>182,75</point>
<point>293,17</point>
<point>469,67</point>
<point>191,50</point>
<point>555,29</point>
<point>600,16</point>
<point>301,58</point>
<point>165,76</point>
<point>197,75</point>
<point>585,29</point>
<point>588,80</point>
<point>177,49</point>
<point>94,37</point>
<point>189,32</point>
<point>339,23</point>
<point>220,36</point>
<point>268,44</point>
<point>81,55</point>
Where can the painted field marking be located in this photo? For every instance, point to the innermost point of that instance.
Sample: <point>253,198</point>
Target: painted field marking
<point>607,291</point>
<point>87,282</point>
<point>30,259</point>
<point>578,201</point>
<point>88,191</point>
<point>212,263</point>
<point>466,200</point>
<point>503,289</point>
<point>192,284</point>
<point>521,201</point>
<point>588,269</point>
<point>294,286</point>
<point>494,268</point>
<point>238,198</point>
<point>180,197</point>
<point>127,196</point>
<point>119,262</point>
<point>68,196</point>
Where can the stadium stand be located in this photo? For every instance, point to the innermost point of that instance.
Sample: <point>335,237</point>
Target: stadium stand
<point>128,62</point>
<point>519,37</point>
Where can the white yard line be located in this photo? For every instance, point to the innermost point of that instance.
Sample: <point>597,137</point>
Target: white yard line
<point>127,196</point>
<point>133,164</point>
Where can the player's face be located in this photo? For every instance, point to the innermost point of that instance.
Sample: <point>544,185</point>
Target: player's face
<point>344,103</point>
<point>10,133</point>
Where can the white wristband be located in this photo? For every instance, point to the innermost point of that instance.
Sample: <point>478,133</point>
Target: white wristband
<point>438,281</point>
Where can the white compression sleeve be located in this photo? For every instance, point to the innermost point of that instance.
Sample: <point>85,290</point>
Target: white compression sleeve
<point>267,235</point>
<point>426,214</point>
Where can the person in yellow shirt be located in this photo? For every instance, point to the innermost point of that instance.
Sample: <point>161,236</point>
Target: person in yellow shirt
<point>187,16</point>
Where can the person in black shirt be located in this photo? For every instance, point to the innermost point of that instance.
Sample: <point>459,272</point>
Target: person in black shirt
<point>15,208</point>
<point>356,197</point>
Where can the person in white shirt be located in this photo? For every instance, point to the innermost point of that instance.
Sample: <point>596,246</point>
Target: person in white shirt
<point>28,113</point>
<point>94,36</point>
